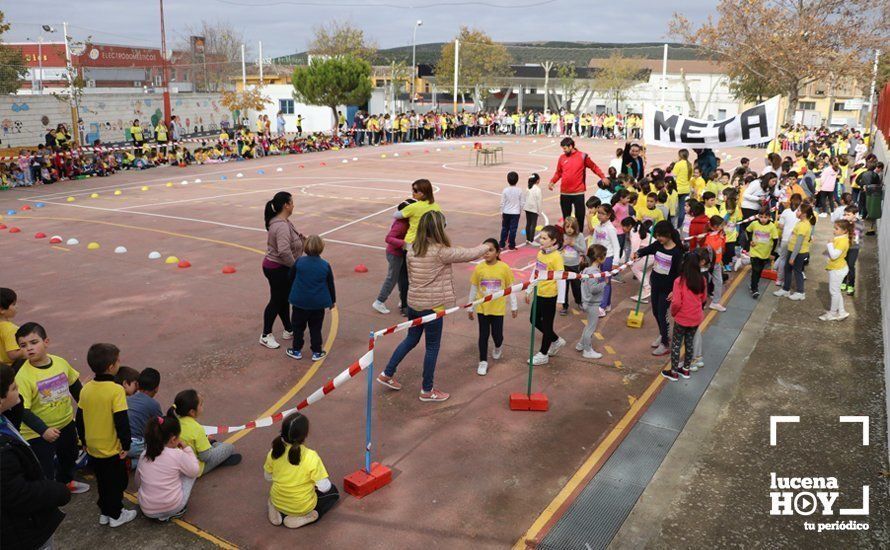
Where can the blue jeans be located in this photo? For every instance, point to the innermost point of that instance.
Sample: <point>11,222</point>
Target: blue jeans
<point>509,224</point>
<point>433,339</point>
<point>607,293</point>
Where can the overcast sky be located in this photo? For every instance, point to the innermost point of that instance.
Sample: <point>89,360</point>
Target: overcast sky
<point>285,26</point>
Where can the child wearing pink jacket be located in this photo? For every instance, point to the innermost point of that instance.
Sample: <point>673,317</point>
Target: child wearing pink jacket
<point>167,470</point>
<point>687,308</point>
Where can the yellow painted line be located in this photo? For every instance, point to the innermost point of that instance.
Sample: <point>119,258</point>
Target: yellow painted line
<point>618,364</point>
<point>609,349</point>
<point>332,335</point>
<point>599,452</point>
<point>192,528</point>
<point>61,248</point>
<point>598,336</point>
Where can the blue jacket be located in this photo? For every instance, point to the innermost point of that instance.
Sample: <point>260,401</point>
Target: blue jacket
<point>313,283</point>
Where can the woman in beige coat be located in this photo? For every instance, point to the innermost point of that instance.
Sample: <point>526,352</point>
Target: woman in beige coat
<point>430,290</point>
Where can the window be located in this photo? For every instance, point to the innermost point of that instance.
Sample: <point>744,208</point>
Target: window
<point>721,114</point>
<point>839,106</point>
<point>807,105</point>
<point>286,106</point>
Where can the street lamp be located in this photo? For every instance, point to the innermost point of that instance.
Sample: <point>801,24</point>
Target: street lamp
<point>418,24</point>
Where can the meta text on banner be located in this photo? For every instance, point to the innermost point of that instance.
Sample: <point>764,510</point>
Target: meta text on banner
<point>755,125</point>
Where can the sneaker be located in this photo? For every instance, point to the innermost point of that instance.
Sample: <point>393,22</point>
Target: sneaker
<point>851,290</point>
<point>755,294</point>
<point>661,350</point>
<point>403,311</point>
<point>591,354</point>
<point>655,343</point>
<point>641,299</point>
<point>294,353</point>
<point>380,307</point>
<point>76,487</point>
<point>842,316</point>
<point>125,517</point>
<point>828,316</point>
<point>540,359</point>
<point>727,268</point>
<point>717,306</point>
<point>103,520</point>
<point>780,284</point>
<point>317,356</point>
<point>843,287</point>
<point>233,460</point>
<point>823,215</point>
<point>781,292</point>
<point>697,363</point>
<point>683,372</point>
<point>388,381</point>
<point>556,346</point>
<point>564,311</point>
<point>579,346</point>
<point>670,375</point>
<point>274,515</point>
<point>797,296</point>
<point>295,522</point>
<point>482,369</point>
<point>287,335</point>
<point>433,395</point>
<point>269,341</point>
<point>497,353</point>
<point>602,312</point>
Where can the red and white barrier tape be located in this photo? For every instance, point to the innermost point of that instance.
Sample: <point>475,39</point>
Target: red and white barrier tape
<point>746,220</point>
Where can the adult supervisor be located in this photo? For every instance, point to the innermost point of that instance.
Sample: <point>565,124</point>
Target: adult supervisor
<point>571,169</point>
<point>632,161</point>
<point>284,244</point>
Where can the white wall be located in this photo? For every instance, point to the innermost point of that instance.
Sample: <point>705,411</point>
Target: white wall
<point>315,119</point>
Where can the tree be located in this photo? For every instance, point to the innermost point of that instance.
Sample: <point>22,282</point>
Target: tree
<point>342,80</point>
<point>568,81</point>
<point>482,63</point>
<point>241,101</point>
<point>222,54</point>
<point>335,39</point>
<point>616,75</point>
<point>751,87</point>
<point>12,63</point>
<point>789,43</point>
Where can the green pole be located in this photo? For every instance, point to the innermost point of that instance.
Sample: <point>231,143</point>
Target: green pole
<point>643,278</point>
<point>531,343</point>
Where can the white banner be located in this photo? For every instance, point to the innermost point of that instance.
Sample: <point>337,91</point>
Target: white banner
<point>757,124</point>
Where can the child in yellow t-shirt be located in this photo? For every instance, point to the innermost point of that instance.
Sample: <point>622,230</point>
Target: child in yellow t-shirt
<point>10,353</point>
<point>764,233</point>
<point>301,489</point>
<point>798,253</point>
<point>489,277</point>
<point>711,206</point>
<point>188,406</point>
<point>650,211</point>
<point>697,183</point>
<point>549,293</point>
<point>837,269</point>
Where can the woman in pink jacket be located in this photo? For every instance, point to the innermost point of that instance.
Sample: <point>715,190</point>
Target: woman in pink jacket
<point>167,470</point>
<point>430,291</point>
<point>687,308</point>
<point>284,244</point>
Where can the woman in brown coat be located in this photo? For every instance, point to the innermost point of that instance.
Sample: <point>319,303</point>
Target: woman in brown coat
<point>430,290</point>
<point>284,244</point>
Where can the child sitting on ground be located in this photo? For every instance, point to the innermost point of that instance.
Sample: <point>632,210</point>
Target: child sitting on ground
<point>142,406</point>
<point>312,292</point>
<point>10,352</point>
<point>188,406</point>
<point>167,470</point>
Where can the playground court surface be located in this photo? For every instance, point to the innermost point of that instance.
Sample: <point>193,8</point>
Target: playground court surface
<point>468,473</point>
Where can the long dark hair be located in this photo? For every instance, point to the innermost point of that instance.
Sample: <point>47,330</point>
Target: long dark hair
<point>158,432</point>
<point>665,229</point>
<point>274,206</point>
<point>185,402</point>
<point>294,430</point>
<point>691,275</point>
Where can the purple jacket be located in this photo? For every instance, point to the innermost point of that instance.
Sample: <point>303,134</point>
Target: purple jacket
<point>395,239</point>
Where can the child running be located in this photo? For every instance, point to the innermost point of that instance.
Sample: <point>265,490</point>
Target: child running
<point>301,490</point>
<point>837,269</point>
<point>490,276</point>
<point>763,235</point>
<point>188,406</point>
<point>167,470</point>
<point>591,292</point>
<point>667,256</point>
<point>549,293</point>
<point>688,298</point>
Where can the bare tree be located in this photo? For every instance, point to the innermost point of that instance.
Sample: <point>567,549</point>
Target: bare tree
<point>222,54</point>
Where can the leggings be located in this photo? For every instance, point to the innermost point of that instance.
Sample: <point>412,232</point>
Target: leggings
<point>543,320</point>
<point>607,293</point>
<point>490,325</point>
<point>682,335</point>
<point>852,255</point>
<point>531,223</point>
<point>660,306</point>
<point>575,285</point>
<point>218,453</point>
<point>797,271</point>
<point>279,290</point>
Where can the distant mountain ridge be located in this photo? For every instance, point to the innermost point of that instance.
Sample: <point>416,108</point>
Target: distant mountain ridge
<point>579,53</point>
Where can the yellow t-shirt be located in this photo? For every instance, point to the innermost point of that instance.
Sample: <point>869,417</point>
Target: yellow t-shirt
<point>682,176</point>
<point>717,210</point>
<point>698,186</point>
<point>136,132</point>
<point>762,237</point>
<point>551,261</point>
<point>293,486</point>
<point>44,390</point>
<point>413,213</point>
<point>192,434</point>
<point>99,400</point>
<point>714,187</point>
<point>731,228</point>
<point>841,243</point>
<point>161,132</point>
<point>673,202</point>
<point>489,279</point>
<point>654,214</point>
<point>801,229</point>
<point>7,341</point>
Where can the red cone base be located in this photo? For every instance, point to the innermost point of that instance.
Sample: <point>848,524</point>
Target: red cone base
<point>769,274</point>
<point>184,264</point>
<point>40,235</point>
<point>15,230</point>
<point>360,268</point>
<point>525,402</point>
<point>26,207</point>
<point>228,269</point>
<point>360,483</point>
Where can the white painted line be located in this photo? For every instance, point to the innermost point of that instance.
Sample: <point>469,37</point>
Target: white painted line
<point>353,222</point>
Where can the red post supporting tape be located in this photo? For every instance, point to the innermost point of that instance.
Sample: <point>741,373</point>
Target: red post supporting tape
<point>361,483</point>
<point>525,402</point>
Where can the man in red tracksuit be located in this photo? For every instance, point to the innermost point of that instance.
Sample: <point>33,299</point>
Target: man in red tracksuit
<point>571,168</point>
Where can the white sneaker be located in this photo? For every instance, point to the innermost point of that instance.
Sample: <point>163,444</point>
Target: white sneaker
<point>797,296</point>
<point>591,354</point>
<point>841,316</point>
<point>103,520</point>
<point>697,363</point>
<point>828,316</point>
<point>482,369</point>
<point>781,292</point>
<point>285,335</point>
<point>556,346</point>
<point>540,359</point>
<point>497,353</point>
<point>823,215</point>
<point>661,350</point>
<point>602,312</point>
<point>125,517</point>
<point>780,284</point>
<point>77,487</point>
<point>579,346</point>
<point>655,343</point>
<point>380,307</point>
<point>269,341</point>
<point>717,306</point>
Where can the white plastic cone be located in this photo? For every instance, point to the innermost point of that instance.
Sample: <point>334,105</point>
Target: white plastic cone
<point>72,242</point>
<point>120,250</point>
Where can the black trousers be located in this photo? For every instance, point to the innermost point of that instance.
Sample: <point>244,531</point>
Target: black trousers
<point>314,318</point>
<point>403,285</point>
<point>567,202</point>
<point>64,450</point>
<point>279,291</point>
<point>490,325</point>
<point>111,479</point>
<point>852,256</point>
<point>327,500</point>
<point>574,285</point>
<point>531,222</point>
<point>757,267</point>
<point>543,320</point>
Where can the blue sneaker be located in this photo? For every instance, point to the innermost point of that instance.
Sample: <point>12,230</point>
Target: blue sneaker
<point>727,268</point>
<point>294,353</point>
<point>319,355</point>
